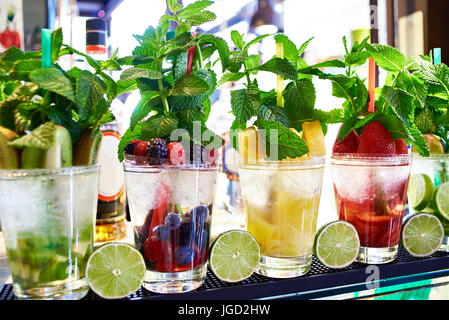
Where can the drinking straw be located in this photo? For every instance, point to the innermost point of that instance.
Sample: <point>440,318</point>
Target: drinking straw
<point>46,48</point>
<point>371,84</point>
<point>280,80</point>
<point>436,55</point>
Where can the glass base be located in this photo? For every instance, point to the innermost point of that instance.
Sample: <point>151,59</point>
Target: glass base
<point>283,267</point>
<point>444,245</point>
<point>377,255</point>
<point>61,290</point>
<point>175,282</point>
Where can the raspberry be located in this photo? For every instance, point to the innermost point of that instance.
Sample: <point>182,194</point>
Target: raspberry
<point>157,151</point>
<point>175,153</point>
<point>141,148</point>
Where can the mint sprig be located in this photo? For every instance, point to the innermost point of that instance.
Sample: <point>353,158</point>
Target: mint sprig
<point>171,97</point>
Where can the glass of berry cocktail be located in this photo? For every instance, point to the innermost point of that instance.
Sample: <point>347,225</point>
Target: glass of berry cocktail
<point>170,201</point>
<point>370,185</point>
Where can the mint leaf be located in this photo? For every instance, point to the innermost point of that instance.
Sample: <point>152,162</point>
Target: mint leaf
<point>388,58</point>
<point>189,85</point>
<point>290,51</point>
<point>280,67</point>
<point>9,57</point>
<point>254,41</point>
<point>300,97</point>
<point>329,64</point>
<point>245,102</point>
<point>193,9</point>
<point>230,77</point>
<point>424,121</point>
<point>22,68</point>
<point>174,6</point>
<point>414,86</point>
<point>159,126</point>
<point>200,18</point>
<point>237,39</point>
<point>304,46</point>
<point>252,61</point>
<point>287,143</point>
<point>275,114</point>
<point>56,43</point>
<point>236,62</point>
<point>436,77</point>
<point>401,103</point>
<point>55,81</point>
<point>40,138</point>
<point>88,93</point>
<point>148,101</point>
<point>420,143</point>
<point>220,45</point>
<point>136,73</point>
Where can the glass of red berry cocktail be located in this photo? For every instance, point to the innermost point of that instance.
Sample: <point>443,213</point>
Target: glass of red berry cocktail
<point>170,194</point>
<point>370,184</point>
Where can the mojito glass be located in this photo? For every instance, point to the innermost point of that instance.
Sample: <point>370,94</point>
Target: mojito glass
<point>434,169</point>
<point>371,193</point>
<point>171,209</point>
<point>281,201</point>
<point>48,221</point>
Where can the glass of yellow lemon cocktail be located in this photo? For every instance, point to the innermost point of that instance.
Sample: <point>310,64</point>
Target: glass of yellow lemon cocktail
<point>281,201</point>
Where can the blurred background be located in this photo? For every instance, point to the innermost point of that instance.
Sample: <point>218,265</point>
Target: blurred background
<point>413,26</point>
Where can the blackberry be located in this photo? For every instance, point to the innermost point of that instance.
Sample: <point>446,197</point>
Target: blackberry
<point>129,149</point>
<point>157,151</point>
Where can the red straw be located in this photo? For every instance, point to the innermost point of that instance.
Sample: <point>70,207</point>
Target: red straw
<point>371,84</point>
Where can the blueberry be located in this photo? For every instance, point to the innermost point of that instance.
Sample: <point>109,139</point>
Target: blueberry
<point>186,233</point>
<point>162,232</point>
<point>173,221</point>
<point>184,254</point>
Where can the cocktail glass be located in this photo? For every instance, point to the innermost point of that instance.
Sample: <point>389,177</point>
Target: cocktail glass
<point>436,167</point>
<point>48,220</point>
<point>170,209</point>
<point>281,201</point>
<point>370,193</point>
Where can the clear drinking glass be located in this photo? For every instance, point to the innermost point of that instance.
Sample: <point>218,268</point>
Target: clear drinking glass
<point>370,193</point>
<point>436,167</point>
<point>171,209</point>
<point>48,220</point>
<point>281,201</point>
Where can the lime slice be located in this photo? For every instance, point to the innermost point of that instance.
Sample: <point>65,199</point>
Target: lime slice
<point>234,256</point>
<point>115,270</point>
<point>336,244</point>
<point>420,191</point>
<point>441,200</point>
<point>422,234</point>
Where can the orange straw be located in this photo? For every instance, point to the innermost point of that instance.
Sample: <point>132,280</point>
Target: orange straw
<point>371,84</point>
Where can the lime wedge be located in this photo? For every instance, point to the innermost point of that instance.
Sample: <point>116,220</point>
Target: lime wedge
<point>441,200</point>
<point>115,270</point>
<point>422,234</point>
<point>234,256</point>
<point>336,244</point>
<point>420,191</point>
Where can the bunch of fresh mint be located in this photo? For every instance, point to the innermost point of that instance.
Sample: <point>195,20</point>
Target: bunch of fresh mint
<point>432,116</point>
<point>174,81</point>
<point>403,92</point>
<point>299,95</point>
<point>32,97</point>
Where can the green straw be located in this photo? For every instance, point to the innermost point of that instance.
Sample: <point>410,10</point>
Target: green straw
<point>437,55</point>
<point>46,48</point>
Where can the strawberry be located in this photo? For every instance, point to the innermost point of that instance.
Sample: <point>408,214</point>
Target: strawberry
<point>401,146</point>
<point>210,157</point>
<point>141,148</point>
<point>376,140</point>
<point>349,144</point>
<point>176,154</point>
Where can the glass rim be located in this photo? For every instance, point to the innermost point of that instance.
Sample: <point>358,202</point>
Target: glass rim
<point>6,174</point>
<point>370,159</point>
<point>314,161</point>
<point>433,156</point>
